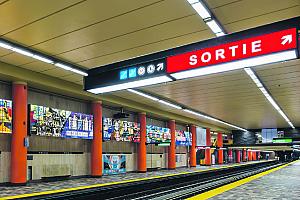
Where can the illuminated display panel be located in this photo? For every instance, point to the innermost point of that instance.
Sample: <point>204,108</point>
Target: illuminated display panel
<point>156,135</point>
<point>5,116</point>
<point>114,164</point>
<point>183,138</point>
<point>120,130</point>
<point>46,121</point>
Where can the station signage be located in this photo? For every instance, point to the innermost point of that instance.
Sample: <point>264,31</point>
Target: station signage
<point>262,45</point>
<point>119,77</point>
<point>142,70</point>
<point>241,49</point>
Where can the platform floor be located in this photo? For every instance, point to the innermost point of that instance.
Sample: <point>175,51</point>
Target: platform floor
<point>35,187</point>
<point>281,184</point>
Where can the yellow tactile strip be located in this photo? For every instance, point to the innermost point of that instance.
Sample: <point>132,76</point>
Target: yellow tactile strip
<point>214,192</point>
<point>115,183</point>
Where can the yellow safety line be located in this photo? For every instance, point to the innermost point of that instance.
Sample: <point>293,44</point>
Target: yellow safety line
<point>222,189</point>
<point>115,183</point>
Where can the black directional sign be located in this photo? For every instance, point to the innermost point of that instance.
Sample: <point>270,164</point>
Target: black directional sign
<point>125,74</point>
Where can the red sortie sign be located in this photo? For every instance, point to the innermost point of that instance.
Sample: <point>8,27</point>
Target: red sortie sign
<point>260,45</point>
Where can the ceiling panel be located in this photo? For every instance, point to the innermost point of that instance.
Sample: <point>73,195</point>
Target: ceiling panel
<point>73,78</point>
<point>57,72</point>
<point>262,12</point>
<point>15,14</point>
<point>262,20</point>
<point>237,101</point>
<point>126,24</point>
<point>16,59</point>
<point>146,48</point>
<point>282,80</point>
<point>38,66</point>
<point>148,36</point>
<point>4,51</point>
<point>76,19</point>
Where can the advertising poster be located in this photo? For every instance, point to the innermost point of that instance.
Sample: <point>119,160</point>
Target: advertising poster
<point>183,138</point>
<point>5,116</point>
<point>156,135</point>
<point>114,164</point>
<point>119,130</point>
<point>45,121</point>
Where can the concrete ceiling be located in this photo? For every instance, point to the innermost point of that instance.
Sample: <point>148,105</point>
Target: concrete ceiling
<point>93,33</point>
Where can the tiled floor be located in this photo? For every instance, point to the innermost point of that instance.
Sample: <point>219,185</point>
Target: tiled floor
<point>281,184</point>
<point>40,187</point>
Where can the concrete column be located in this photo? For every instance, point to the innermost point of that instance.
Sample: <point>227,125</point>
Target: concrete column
<point>207,156</point>
<point>220,156</point>
<point>244,155</point>
<point>193,147</point>
<point>18,171</point>
<point>238,156</point>
<point>220,140</point>
<point>249,155</point>
<point>96,150</point>
<point>142,150</point>
<point>172,147</point>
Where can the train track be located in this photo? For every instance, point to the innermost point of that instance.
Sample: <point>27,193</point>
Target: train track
<point>173,187</point>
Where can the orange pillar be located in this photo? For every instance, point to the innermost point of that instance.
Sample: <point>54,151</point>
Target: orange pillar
<point>244,155</point>
<point>193,147</point>
<point>207,156</point>
<point>18,171</point>
<point>238,156</point>
<point>249,155</point>
<point>220,140</point>
<point>142,150</point>
<point>254,155</point>
<point>208,137</point>
<point>172,147</point>
<point>96,150</point>
<point>220,156</point>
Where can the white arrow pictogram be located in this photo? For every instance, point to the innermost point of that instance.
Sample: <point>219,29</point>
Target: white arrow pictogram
<point>160,67</point>
<point>286,38</point>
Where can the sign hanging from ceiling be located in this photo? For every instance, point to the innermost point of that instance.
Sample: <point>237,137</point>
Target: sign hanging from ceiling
<point>241,49</point>
<point>128,77</point>
<point>257,46</point>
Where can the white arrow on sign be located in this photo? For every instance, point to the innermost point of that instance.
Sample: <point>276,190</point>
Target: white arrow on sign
<point>286,38</point>
<point>160,67</point>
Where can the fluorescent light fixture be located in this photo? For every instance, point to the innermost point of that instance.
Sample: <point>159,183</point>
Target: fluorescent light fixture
<point>143,94</point>
<point>77,71</point>
<point>201,9</point>
<point>213,119</point>
<point>193,1</point>
<point>65,67</point>
<point>155,99</point>
<point>170,104</point>
<point>220,34</point>
<point>23,52</point>
<point>134,84</point>
<point>5,45</point>
<point>214,26</point>
<point>41,58</point>
<point>259,84</point>
<point>260,60</point>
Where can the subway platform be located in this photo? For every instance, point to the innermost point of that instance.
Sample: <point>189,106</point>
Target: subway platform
<point>281,184</point>
<point>45,188</point>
